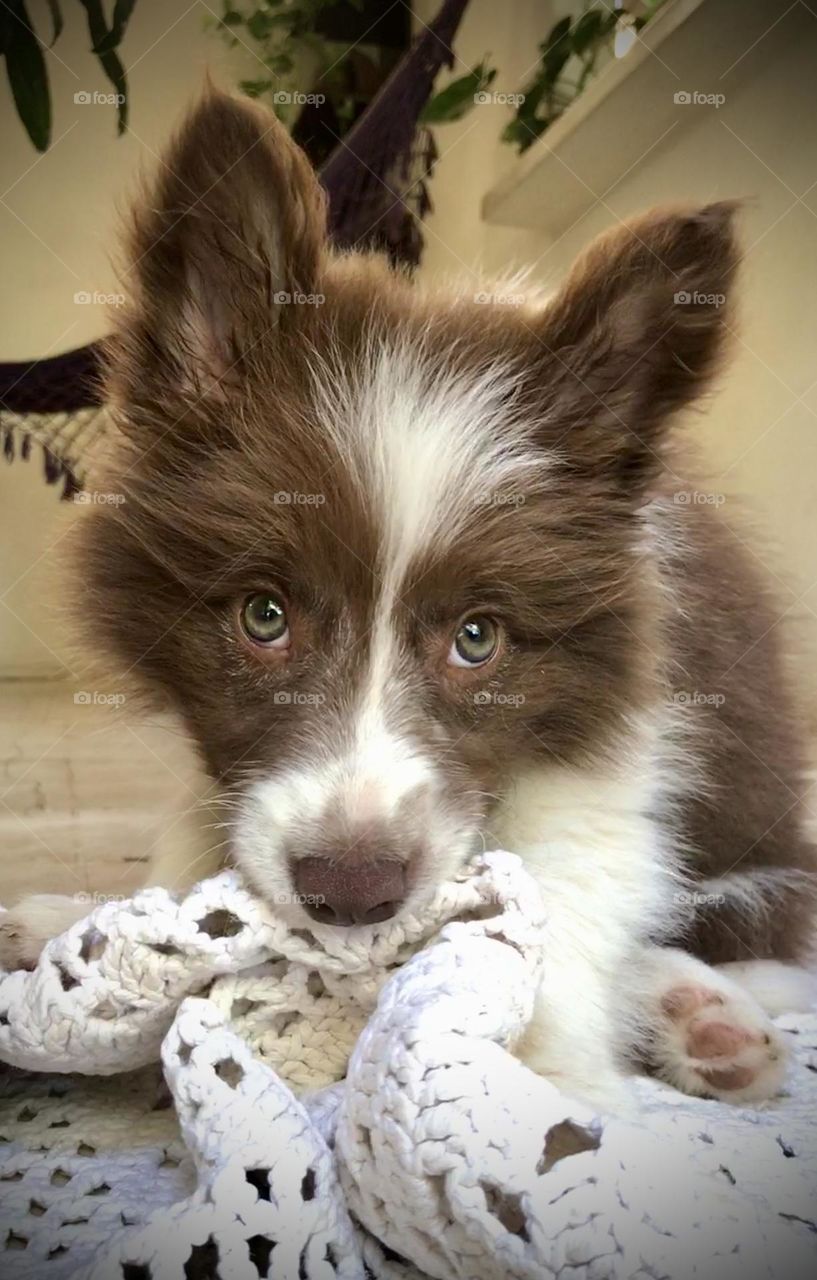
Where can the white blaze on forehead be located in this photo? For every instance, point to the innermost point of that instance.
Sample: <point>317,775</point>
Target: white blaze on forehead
<point>426,444</point>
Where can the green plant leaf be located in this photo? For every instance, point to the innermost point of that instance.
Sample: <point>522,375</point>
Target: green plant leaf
<point>122,11</point>
<point>280,64</point>
<point>523,133</point>
<point>56,22</point>
<point>254,88</point>
<point>556,49</point>
<point>231,18</point>
<point>533,94</point>
<point>28,78</point>
<point>110,63</point>
<point>587,30</point>
<point>116,74</point>
<point>457,98</point>
<point>261,24</point>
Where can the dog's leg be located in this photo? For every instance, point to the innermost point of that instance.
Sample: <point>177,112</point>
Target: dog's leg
<point>707,1031</point>
<point>189,851</point>
<point>606,884</point>
<point>26,928</point>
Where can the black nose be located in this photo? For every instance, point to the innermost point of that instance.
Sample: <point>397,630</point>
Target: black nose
<point>346,893</point>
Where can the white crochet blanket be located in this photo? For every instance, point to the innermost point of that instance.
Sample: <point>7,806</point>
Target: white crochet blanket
<point>437,1155</point>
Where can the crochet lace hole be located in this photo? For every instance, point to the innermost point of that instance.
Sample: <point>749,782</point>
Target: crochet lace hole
<point>168,1161</point>
<point>259,1178</point>
<point>67,980</point>
<point>261,1248</point>
<point>308,1185</point>
<point>15,1241</point>
<point>57,1251</point>
<point>303,935</point>
<point>241,1007</point>
<point>17,1176</point>
<point>230,1071</point>
<point>59,1177</point>
<point>4,1020</point>
<point>106,1011</point>
<point>315,985</point>
<point>221,924</point>
<point>36,1209</point>
<point>85,1150</point>
<point>203,1261</point>
<point>164,949</point>
<point>136,1271</point>
<point>284,1020</point>
<point>507,1208</point>
<point>26,1114</point>
<point>185,1052</point>
<point>93,944</point>
<point>101,1190</point>
<point>566,1139</point>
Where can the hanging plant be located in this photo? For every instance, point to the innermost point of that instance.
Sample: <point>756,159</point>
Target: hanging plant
<point>569,57</point>
<point>26,68</point>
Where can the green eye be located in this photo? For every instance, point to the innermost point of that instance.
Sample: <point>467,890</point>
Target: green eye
<point>475,643</point>
<point>264,619</point>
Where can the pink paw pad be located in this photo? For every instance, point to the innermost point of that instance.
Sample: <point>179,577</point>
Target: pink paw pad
<point>721,1041</point>
<point>718,1039</point>
<point>680,1002</point>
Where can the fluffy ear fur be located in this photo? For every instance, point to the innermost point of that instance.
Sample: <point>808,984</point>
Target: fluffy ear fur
<point>637,331</point>
<point>235,218</point>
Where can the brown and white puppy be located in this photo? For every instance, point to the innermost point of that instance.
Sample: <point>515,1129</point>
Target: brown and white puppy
<point>411,572</point>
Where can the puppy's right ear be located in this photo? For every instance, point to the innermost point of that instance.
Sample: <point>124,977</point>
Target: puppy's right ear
<point>232,227</point>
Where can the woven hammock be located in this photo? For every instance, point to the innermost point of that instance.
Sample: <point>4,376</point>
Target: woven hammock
<point>376,183</point>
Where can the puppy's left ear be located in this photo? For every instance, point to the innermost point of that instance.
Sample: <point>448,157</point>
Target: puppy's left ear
<point>637,333</point>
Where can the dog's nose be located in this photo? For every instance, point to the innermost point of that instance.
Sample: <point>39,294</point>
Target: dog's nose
<point>349,893</point>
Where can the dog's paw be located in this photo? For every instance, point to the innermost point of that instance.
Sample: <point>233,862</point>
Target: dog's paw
<point>26,928</point>
<point>718,1043</point>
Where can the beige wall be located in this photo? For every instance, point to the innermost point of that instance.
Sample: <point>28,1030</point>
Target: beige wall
<point>58,221</point>
<point>61,210</point>
<point>760,439</point>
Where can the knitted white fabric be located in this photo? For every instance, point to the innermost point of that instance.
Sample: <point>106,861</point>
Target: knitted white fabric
<point>439,1154</point>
